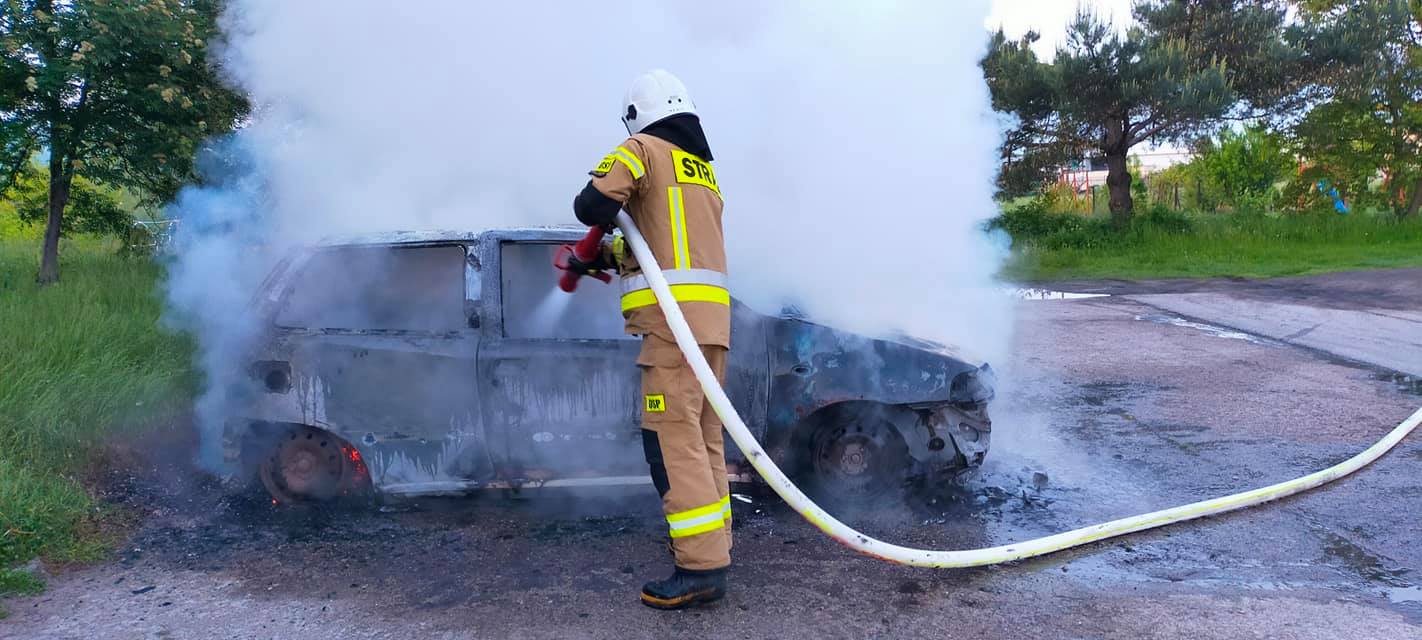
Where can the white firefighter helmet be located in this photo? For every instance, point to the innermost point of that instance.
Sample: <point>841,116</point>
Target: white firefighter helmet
<point>653,96</point>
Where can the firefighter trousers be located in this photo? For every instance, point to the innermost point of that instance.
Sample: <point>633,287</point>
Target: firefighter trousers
<point>685,450</point>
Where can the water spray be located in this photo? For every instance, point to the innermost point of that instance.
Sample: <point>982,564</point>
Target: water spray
<point>966,557</point>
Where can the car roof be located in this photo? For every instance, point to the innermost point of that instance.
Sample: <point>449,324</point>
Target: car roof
<point>561,233</point>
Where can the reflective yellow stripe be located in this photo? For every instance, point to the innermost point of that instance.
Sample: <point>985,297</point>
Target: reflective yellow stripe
<point>678,226</point>
<point>714,507</point>
<point>630,159</point>
<point>701,519</point>
<point>682,293</point>
<point>698,529</point>
<point>674,276</point>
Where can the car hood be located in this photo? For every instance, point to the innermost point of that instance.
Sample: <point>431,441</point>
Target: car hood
<point>814,365</point>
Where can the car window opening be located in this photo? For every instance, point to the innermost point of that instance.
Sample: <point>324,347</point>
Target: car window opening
<point>535,308</point>
<point>379,289</point>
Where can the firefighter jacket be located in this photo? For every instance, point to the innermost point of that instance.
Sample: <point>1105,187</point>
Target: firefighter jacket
<point>672,196</point>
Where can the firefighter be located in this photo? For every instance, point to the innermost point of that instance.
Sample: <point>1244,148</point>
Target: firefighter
<point>662,177</point>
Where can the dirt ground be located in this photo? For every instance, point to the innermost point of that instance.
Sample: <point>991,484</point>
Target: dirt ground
<point>1124,411</point>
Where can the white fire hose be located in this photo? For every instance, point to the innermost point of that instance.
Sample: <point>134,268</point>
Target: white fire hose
<point>966,557</point>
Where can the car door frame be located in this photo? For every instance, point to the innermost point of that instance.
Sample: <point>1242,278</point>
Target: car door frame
<point>495,347</point>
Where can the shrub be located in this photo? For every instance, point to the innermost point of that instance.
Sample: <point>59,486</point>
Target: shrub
<point>1162,218</point>
<point>1037,224</point>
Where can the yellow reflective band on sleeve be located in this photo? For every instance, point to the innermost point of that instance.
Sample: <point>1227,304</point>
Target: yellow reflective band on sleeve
<point>678,227</point>
<point>701,519</point>
<point>630,159</point>
<point>682,293</point>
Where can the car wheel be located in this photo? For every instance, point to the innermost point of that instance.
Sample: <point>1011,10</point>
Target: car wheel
<point>310,465</point>
<point>854,459</point>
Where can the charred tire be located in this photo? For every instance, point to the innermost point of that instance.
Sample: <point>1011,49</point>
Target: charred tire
<point>308,465</point>
<point>851,456</point>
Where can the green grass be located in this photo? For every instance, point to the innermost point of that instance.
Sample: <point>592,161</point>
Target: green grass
<point>79,362</point>
<point>1170,245</point>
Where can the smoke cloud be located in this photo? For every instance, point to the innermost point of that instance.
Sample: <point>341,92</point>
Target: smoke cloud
<point>854,144</point>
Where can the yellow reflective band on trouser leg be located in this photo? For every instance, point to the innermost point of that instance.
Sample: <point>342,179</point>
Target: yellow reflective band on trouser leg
<point>630,159</point>
<point>701,519</point>
<point>678,227</point>
<point>682,293</point>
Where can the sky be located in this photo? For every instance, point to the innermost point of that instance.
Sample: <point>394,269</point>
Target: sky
<point>1049,18</point>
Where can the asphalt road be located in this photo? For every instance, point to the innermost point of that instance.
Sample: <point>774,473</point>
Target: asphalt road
<point>1369,317</point>
<point>1126,403</point>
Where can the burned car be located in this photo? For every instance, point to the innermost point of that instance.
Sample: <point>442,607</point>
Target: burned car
<point>436,363</point>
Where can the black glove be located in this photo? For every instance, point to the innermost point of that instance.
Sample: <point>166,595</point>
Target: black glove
<point>593,266</point>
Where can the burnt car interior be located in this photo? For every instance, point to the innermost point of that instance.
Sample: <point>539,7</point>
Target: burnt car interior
<point>546,312</point>
<point>379,289</point>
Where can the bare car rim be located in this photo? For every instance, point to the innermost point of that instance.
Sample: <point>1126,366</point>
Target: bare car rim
<point>857,459</point>
<point>308,465</point>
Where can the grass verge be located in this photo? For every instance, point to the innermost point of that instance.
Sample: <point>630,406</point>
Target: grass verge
<point>1163,244</point>
<point>79,360</point>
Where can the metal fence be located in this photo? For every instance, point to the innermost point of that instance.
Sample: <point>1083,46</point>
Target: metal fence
<point>150,236</point>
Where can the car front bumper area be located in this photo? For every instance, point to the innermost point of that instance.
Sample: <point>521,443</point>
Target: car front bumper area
<point>950,438</point>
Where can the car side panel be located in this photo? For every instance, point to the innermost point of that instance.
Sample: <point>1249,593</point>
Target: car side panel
<point>747,373</point>
<point>405,400</point>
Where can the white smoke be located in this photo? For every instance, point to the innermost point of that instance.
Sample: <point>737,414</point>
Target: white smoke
<point>853,141</point>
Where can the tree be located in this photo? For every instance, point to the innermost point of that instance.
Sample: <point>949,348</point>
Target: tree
<point>120,91</point>
<point>1020,87</point>
<point>1342,144</point>
<point>1179,70</point>
<point>1245,164</point>
<point>92,208</point>
<point>1369,119</point>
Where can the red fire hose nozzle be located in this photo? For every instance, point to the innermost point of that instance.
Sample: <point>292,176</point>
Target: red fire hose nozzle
<point>585,251</point>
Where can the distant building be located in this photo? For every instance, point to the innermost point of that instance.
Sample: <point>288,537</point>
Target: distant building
<point>1154,160</point>
<point>1091,172</point>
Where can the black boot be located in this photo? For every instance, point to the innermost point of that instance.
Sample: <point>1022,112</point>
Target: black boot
<point>684,588</point>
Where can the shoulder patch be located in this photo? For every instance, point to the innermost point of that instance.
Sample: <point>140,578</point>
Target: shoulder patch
<point>626,157</point>
<point>603,167</point>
